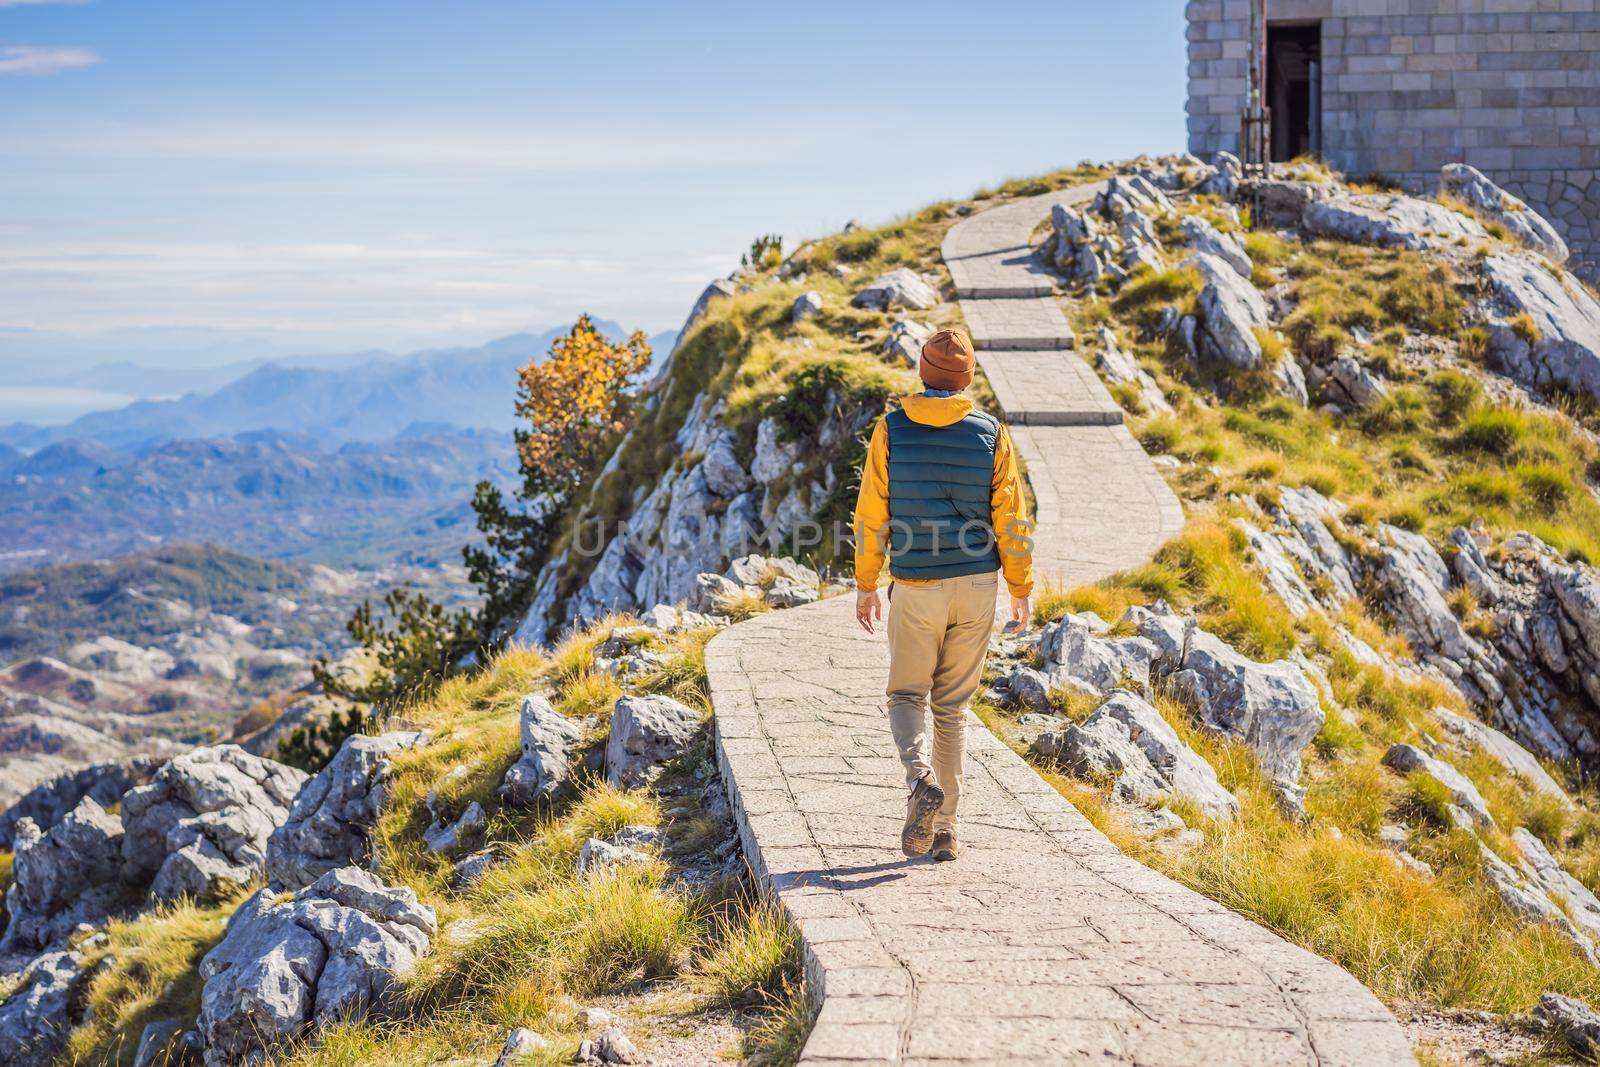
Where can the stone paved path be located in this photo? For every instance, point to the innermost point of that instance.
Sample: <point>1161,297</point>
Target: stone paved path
<point>1044,943</point>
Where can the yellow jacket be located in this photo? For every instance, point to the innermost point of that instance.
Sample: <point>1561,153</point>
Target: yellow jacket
<point>1008,509</point>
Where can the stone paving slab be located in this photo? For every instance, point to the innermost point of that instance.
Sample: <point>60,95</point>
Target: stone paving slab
<point>1043,943</point>
<point>1032,322</point>
<point>1052,388</point>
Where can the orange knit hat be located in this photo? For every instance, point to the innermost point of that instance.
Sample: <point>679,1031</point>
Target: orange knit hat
<point>948,361</point>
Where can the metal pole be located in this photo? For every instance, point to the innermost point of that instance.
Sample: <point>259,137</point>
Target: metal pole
<point>1255,124</point>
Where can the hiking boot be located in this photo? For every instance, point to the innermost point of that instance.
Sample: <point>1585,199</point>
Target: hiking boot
<point>945,848</point>
<point>926,799</point>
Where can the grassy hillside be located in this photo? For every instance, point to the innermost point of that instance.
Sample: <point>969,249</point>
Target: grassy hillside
<point>1451,444</point>
<point>698,968</point>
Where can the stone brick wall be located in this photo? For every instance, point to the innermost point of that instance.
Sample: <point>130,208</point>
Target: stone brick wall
<point>1509,86</point>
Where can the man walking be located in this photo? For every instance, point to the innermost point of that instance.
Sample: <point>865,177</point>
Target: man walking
<point>942,500</point>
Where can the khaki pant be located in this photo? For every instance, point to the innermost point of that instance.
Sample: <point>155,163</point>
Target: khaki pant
<point>938,636</point>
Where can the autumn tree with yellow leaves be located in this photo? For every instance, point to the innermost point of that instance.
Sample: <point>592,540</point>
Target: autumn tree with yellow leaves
<point>577,404</point>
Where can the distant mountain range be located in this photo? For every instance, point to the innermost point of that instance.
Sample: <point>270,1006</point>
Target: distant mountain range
<point>329,401</point>
<point>268,493</point>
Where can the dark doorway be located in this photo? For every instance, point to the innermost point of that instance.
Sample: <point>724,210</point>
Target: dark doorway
<point>1294,89</point>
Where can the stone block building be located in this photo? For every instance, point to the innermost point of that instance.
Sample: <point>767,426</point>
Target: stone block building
<point>1402,87</point>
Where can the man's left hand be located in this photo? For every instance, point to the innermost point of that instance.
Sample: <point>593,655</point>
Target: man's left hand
<point>869,609</point>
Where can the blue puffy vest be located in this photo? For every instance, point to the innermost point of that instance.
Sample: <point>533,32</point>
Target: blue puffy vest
<point>940,478</point>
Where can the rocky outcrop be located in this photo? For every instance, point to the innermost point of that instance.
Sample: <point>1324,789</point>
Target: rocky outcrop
<point>1409,759</point>
<point>1546,871</point>
<point>41,1009</point>
<point>1221,177</point>
<point>1562,349</point>
<point>1510,755</point>
<point>1111,238</point>
<point>1524,225</point>
<point>1347,383</point>
<point>331,953</point>
<point>1284,201</point>
<point>330,822</point>
<point>1271,707</point>
<point>1206,238</point>
<point>67,876</point>
<point>905,341</point>
<point>1575,1021</point>
<point>47,802</point>
<point>1072,650</point>
<point>1389,220</point>
<point>549,740</point>
<point>1128,742</point>
<point>696,518</point>
<point>201,825</point>
<point>646,733</point>
<point>807,305</point>
<point>1231,310</point>
<point>1534,673</point>
<point>898,288</point>
<point>1120,368</point>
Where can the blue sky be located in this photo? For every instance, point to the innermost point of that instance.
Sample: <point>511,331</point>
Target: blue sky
<point>333,176</point>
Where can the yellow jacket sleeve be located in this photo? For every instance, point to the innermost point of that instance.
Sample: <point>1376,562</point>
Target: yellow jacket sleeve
<point>872,511</point>
<point>1008,509</point>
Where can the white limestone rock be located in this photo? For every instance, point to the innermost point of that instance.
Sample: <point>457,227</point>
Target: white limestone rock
<point>450,837</point>
<point>712,592</point>
<point>1231,310</point>
<point>807,305</point>
<point>331,953</point>
<point>201,826</point>
<point>1544,869</point>
<point>724,475</point>
<point>1529,900</point>
<point>785,592</point>
<point>1565,316</point>
<point>905,341</point>
<point>774,458</point>
<point>521,1046</point>
<point>1026,686</point>
<point>37,1014</point>
<point>330,822</point>
<point>1573,1020</point>
<point>1389,220</point>
<point>1126,738</point>
<point>1071,649</point>
<point>597,856</point>
<point>898,288</point>
<point>1510,755</point>
<point>1409,759</point>
<point>1272,707</point>
<point>1223,181</point>
<point>1119,367</point>
<point>1524,224</point>
<point>1204,237</point>
<point>59,879</point>
<point>549,740</point>
<point>1349,384</point>
<point>646,733</point>
<point>49,801</point>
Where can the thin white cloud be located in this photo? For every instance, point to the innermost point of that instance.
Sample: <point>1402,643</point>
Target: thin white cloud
<point>430,146</point>
<point>44,59</point>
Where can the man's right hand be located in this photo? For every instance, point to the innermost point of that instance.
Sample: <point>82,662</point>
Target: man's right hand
<point>869,609</point>
<point>1021,613</point>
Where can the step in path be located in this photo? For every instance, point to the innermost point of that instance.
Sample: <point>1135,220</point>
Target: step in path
<point>1043,943</point>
